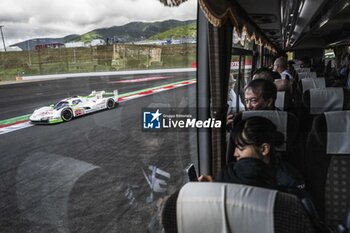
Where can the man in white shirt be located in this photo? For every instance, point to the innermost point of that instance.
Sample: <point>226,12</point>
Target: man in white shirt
<point>280,65</point>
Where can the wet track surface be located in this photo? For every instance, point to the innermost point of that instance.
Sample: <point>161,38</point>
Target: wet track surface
<point>88,175</point>
<point>23,98</point>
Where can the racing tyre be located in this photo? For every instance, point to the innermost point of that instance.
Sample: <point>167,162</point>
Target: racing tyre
<point>110,103</point>
<point>67,114</point>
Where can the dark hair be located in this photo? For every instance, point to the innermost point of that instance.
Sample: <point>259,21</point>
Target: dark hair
<point>255,131</point>
<point>276,75</point>
<point>266,88</point>
<point>264,73</point>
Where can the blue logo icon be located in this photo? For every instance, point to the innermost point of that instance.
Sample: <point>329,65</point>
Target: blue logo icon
<point>152,120</point>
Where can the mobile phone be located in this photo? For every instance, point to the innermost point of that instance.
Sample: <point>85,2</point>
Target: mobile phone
<point>191,172</point>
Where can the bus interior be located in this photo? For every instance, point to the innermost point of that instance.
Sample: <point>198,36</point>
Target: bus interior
<point>237,37</point>
<point>105,173</point>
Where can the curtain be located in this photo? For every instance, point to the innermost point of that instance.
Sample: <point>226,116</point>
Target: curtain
<point>218,12</point>
<point>220,47</point>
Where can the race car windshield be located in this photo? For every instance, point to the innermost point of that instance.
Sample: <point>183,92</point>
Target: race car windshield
<point>60,105</point>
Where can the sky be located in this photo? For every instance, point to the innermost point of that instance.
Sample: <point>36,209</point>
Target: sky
<point>29,19</point>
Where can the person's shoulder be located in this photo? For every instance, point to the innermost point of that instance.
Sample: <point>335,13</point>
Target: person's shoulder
<point>282,84</point>
<point>289,176</point>
<point>286,75</point>
<point>226,174</point>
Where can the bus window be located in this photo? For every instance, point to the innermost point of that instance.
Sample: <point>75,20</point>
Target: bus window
<point>106,164</point>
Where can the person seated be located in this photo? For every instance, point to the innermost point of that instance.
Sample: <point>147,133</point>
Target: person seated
<point>273,76</point>
<point>305,62</point>
<point>282,84</point>
<point>280,65</point>
<point>257,163</point>
<point>263,73</point>
<point>260,94</point>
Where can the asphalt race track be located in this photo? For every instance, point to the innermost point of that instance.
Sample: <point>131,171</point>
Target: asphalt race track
<point>90,174</point>
<point>23,98</point>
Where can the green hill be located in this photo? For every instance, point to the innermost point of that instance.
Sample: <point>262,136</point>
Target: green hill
<point>135,31</point>
<point>131,32</point>
<point>87,37</point>
<point>186,31</point>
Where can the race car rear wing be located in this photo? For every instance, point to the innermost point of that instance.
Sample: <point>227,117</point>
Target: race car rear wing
<point>104,94</point>
<point>110,94</point>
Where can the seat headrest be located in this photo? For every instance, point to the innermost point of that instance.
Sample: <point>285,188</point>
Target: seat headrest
<point>338,132</point>
<point>222,207</point>
<point>324,99</point>
<point>302,69</point>
<point>310,83</point>
<point>279,118</point>
<point>303,75</point>
<point>280,99</point>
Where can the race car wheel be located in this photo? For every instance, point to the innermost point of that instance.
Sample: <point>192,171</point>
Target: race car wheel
<point>67,114</point>
<point>110,103</point>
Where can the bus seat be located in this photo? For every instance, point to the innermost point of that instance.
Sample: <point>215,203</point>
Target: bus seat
<point>320,100</point>
<point>302,69</point>
<point>306,84</point>
<point>283,100</point>
<point>313,75</point>
<point>328,159</point>
<point>310,83</point>
<point>224,207</point>
<point>303,75</point>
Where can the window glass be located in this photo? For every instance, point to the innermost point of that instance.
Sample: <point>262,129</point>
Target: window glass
<point>106,166</point>
<point>240,69</point>
<point>242,40</point>
<point>248,68</point>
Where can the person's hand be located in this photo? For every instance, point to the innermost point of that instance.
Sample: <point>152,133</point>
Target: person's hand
<point>229,119</point>
<point>205,179</point>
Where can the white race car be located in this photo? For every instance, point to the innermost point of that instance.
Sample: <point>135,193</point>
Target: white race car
<point>75,106</point>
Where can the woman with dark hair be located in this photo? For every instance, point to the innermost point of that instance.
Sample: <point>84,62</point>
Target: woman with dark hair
<point>254,141</point>
<point>257,163</point>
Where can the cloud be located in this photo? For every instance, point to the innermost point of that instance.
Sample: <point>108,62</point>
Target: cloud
<point>26,19</point>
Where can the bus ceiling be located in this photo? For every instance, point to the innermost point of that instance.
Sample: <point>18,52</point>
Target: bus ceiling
<point>298,24</point>
<point>285,24</point>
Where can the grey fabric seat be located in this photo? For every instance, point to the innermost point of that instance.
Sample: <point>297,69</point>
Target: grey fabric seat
<point>309,74</point>
<point>226,208</point>
<point>328,160</point>
<point>319,100</point>
<point>310,83</point>
<point>284,100</point>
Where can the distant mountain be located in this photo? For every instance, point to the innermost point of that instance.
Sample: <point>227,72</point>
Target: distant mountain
<point>131,32</point>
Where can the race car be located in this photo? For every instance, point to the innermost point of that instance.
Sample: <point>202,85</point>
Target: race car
<point>75,106</point>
